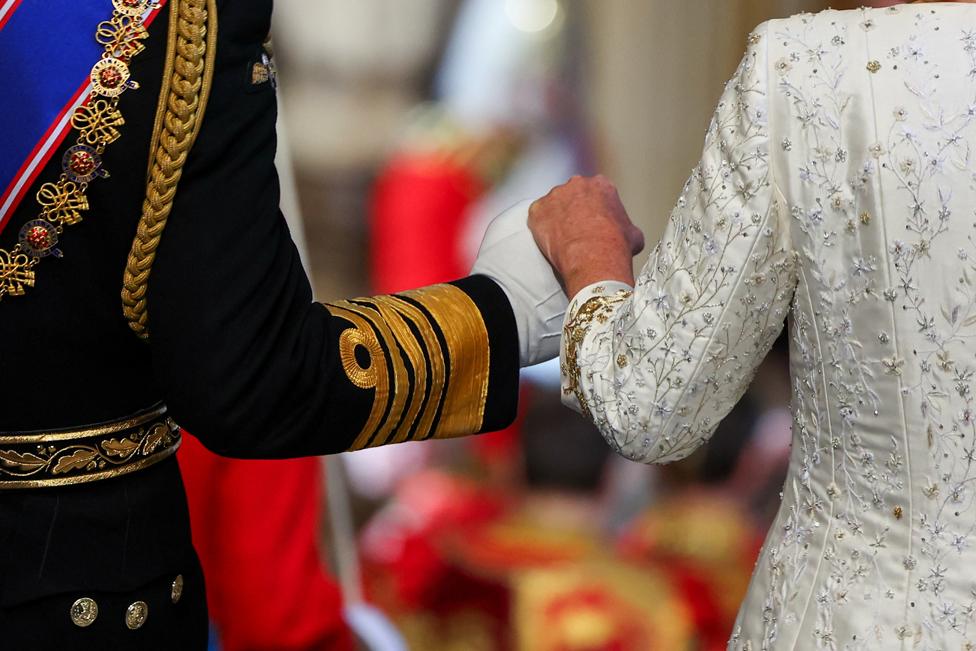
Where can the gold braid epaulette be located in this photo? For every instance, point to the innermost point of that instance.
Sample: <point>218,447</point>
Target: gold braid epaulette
<point>183,99</point>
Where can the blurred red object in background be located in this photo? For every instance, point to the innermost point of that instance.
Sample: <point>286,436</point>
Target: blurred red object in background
<point>255,527</point>
<point>419,207</point>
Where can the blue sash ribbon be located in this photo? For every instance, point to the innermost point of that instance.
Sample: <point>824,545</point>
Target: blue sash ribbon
<point>47,50</point>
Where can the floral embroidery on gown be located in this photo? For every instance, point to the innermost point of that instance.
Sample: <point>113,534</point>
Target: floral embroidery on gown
<point>837,188</point>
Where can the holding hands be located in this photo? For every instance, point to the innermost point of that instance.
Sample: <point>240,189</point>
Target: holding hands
<point>577,235</point>
<point>583,230</point>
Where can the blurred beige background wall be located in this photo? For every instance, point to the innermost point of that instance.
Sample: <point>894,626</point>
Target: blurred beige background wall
<point>353,69</point>
<point>656,69</point>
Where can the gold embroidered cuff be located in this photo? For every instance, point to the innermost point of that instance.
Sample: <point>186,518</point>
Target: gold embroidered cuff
<point>64,457</point>
<point>426,355</point>
<point>580,320</point>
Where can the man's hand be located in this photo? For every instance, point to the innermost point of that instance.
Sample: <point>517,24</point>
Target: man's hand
<point>583,230</point>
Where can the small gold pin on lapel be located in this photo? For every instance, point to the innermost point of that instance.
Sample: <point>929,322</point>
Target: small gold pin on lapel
<point>264,71</point>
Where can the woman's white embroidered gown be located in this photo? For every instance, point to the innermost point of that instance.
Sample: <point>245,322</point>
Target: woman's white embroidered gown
<point>838,188</point>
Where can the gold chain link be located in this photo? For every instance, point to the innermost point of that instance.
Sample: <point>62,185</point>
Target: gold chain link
<point>97,123</point>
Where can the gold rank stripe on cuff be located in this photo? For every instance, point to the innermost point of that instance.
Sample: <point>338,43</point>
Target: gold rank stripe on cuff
<point>77,456</point>
<point>426,355</point>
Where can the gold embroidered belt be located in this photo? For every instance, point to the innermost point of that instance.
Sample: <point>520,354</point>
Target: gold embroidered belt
<point>76,456</point>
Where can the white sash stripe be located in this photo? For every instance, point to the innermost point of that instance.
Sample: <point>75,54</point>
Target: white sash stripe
<point>53,138</point>
<point>41,154</point>
<point>5,7</point>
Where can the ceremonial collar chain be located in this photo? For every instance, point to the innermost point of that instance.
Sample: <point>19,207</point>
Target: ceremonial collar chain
<point>97,124</point>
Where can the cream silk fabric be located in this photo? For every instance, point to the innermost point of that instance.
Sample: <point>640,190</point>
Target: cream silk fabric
<point>837,187</point>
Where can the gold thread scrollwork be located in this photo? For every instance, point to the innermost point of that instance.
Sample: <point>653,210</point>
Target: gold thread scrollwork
<point>16,274</point>
<point>599,309</point>
<point>62,202</point>
<point>349,341</point>
<point>98,123</point>
<point>58,459</point>
<point>122,36</point>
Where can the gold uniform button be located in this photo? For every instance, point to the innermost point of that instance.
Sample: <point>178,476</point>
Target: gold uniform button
<point>84,612</point>
<point>136,614</point>
<point>176,590</point>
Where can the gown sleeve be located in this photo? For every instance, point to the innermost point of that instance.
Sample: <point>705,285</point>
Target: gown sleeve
<point>251,365</point>
<point>657,367</point>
